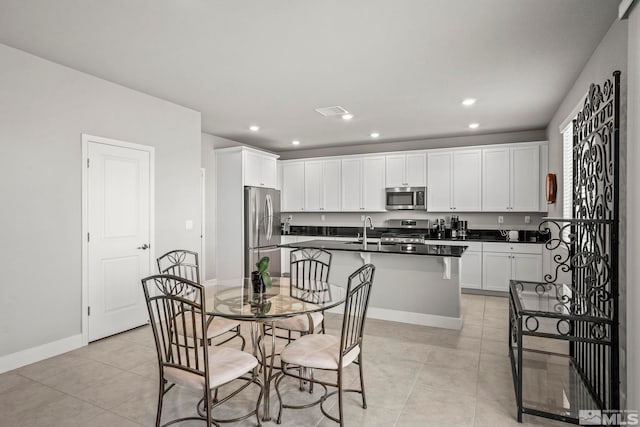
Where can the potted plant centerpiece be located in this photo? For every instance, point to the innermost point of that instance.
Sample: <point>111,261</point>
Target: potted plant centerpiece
<point>260,278</point>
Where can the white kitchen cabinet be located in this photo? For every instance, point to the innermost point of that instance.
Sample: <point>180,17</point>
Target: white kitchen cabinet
<point>496,268</point>
<point>322,185</point>
<point>363,184</point>
<point>285,255</point>
<point>495,179</point>
<point>467,180</point>
<point>502,262</point>
<point>406,170</point>
<point>471,270</point>
<point>470,262</point>
<point>313,185</point>
<point>439,174</point>
<point>511,178</point>
<point>259,169</point>
<point>373,184</point>
<point>292,187</point>
<point>454,181</point>
<point>351,185</point>
<point>525,178</point>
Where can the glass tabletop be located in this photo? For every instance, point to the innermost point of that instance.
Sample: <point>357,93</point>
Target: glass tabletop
<point>556,299</point>
<point>236,299</point>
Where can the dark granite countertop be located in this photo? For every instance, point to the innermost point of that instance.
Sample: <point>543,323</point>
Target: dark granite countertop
<point>476,235</point>
<point>396,248</point>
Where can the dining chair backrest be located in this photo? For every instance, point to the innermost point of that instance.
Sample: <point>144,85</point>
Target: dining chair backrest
<point>171,314</point>
<point>355,308</point>
<point>309,265</point>
<point>181,263</point>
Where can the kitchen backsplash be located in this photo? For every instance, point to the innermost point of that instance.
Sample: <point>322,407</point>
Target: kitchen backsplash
<point>481,220</point>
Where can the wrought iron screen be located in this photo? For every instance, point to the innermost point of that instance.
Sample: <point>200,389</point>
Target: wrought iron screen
<point>590,246</point>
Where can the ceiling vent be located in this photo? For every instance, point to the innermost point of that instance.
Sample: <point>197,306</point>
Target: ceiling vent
<point>332,111</point>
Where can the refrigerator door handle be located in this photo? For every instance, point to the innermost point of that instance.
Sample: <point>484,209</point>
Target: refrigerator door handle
<point>269,217</point>
<point>257,222</point>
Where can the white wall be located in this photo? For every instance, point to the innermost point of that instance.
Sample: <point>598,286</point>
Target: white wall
<point>633,210</point>
<point>44,109</point>
<point>610,55</point>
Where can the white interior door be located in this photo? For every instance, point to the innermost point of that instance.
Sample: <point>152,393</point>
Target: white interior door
<point>118,225</point>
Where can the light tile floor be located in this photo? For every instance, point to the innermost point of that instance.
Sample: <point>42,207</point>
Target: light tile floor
<point>414,376</point>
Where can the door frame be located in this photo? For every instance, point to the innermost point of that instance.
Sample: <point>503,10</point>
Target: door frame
<point>86,140</point>
<point>203,221</point>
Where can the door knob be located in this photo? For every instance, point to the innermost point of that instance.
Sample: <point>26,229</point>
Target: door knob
<point>144,247</point>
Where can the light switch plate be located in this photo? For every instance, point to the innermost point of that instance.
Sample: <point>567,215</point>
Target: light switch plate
<point>527,219</point>
<point>321,217</point>
<point>500,219</point>
<point>188,224</point>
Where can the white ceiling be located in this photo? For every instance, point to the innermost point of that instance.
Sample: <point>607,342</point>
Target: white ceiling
<point>401,66</point>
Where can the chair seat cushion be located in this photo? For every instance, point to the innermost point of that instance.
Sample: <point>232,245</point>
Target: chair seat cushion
<point>317,351</point>
<point>225,365</point>
<point>300,323</point>
<point>218,326</point>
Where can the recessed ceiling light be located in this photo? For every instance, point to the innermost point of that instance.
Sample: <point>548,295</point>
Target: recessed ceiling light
<point>374,134</point>
<point>473,125</point>
<point>347,116</point>
<point>254,128</point>
<point>468,102</point>
<point>295,142</point>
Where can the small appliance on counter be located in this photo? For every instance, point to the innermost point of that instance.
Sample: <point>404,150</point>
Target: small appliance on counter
<point>454,226</point>
<point>439,228</point>
<point>462,229</point>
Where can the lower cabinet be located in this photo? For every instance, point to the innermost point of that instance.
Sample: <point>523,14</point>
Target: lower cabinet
<point>470,262</point>
<point>471,270</point>
<point>502,262</point>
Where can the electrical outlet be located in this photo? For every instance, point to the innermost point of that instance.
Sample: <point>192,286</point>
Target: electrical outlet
<point>527,219</point>
<point>321,217</point>
<point>361,217</point>
<point>188,224</point>
<point>500,219</point>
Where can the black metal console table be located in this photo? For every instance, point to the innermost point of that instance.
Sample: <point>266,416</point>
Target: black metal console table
<point>578,301</point>
<point>555,311</point>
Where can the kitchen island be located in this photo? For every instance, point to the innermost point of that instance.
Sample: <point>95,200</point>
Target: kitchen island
<point>417,284</point>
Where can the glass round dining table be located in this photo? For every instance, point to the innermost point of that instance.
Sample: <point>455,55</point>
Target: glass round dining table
<point>236,300</point>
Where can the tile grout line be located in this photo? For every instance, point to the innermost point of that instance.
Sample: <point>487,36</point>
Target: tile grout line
<point>415,380</point>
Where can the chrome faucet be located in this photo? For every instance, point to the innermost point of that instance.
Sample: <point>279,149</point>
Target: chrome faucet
<point>364,229</point>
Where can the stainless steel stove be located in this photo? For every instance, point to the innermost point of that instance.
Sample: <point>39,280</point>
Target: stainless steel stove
<point>415,239</point>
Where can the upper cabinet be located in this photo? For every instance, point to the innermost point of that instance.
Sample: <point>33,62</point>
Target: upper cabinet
<point>406,170</point>
<point>495,178</point>
<point>322,185</point>
<point>293,191</point>
<point>454,180</point>
<point>363,184</point>
<point>259,169</point>
<point>512,178</point>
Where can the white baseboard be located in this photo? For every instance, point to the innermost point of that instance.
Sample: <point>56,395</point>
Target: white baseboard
<point>409,317</point>
<point>415,318</point>
<point>41,352</point>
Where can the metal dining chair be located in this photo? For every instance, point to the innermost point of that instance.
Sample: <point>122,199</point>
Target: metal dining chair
<point>184,263</point>
<point>186,359</point>
<point>308,267</point>
<point>329,352</point>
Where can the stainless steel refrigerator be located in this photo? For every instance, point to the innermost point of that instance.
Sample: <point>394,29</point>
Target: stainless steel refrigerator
<point>261,228</point>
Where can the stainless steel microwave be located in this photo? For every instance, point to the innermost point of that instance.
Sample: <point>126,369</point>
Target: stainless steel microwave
<point>406,198</point>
